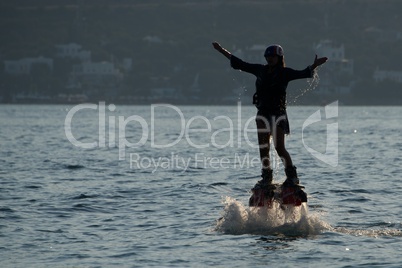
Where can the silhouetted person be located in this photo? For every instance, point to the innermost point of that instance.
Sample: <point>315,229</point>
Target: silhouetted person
<point>270,100</point>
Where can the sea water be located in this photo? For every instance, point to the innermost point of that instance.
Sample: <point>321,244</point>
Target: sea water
<point>167,186</point>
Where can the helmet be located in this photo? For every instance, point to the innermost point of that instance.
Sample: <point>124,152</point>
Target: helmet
<point>274,50</point>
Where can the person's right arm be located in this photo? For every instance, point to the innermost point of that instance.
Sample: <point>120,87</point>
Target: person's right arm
<point>237,63</point>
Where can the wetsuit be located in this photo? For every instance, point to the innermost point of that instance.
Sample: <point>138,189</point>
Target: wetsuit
<point>270,97</point>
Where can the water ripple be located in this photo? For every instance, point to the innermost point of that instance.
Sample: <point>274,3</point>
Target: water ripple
<point>66,206</point>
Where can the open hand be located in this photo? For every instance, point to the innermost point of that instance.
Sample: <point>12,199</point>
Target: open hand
<point>319,61</point>
<point>217,46</point>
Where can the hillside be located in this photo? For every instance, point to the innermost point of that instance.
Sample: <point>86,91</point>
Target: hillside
<point>170,41</point>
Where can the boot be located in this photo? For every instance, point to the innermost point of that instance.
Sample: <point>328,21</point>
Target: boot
<point>266,175</point>
<point>291,176</point>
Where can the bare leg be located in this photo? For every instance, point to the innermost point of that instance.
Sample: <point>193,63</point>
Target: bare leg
<point>290,170</point>
<point>264,136</point>
<point>279,142</point>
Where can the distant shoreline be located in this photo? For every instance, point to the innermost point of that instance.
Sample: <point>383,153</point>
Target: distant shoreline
<point>194,104</point>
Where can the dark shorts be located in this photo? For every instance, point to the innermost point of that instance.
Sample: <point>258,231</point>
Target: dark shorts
<point>272,121</point>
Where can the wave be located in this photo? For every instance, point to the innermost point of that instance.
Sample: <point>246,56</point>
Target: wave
<point>370,232</point>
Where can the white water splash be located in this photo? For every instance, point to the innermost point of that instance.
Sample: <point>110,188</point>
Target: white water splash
<point>238,219</point>
<point>291,221</point>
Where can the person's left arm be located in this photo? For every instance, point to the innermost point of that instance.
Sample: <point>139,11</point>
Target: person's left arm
<point>318,62</point>
<point>292,74</point>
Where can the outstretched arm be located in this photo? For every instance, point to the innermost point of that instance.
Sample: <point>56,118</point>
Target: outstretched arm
<point>318,62</point>
<point>222,50</point>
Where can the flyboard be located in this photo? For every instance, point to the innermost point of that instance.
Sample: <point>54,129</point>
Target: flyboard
<point>289,195</point>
